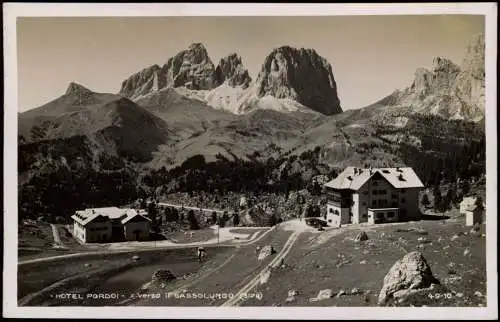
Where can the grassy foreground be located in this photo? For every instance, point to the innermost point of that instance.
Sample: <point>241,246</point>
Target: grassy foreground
<point>332,260</point>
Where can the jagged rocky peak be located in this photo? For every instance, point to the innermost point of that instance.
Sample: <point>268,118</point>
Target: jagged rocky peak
<point>75,88</point>
<point>447,89</point>
<point>439,79</point>
<point>445,65</point>
<point>191,68</point>
<point>302,75</point>
<point>474,57</point>
<point>80,94</point>
<point>422,81</point>
<point>470,82</point>
<point>231,69</point>
<point>143,82</point>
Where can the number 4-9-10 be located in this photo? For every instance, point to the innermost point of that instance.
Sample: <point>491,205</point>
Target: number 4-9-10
<point>437,296</point>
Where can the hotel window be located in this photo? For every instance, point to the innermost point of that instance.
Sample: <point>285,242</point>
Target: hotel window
<point>394,196</point>
<point>364,203</point>
<point>375,183</point>
<point>390,214</point>
<point>403,200</point>
<point>403,190</point>
<point>365,193</point>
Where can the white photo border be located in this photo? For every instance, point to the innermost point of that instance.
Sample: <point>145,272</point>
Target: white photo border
<point>14,10</point>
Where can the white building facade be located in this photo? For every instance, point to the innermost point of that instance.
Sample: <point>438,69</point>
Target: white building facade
<point>100,225</point>
<point>373,195</point>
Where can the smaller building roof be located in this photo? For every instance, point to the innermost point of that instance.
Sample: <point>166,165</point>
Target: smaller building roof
<point>354,178</point>
<point>88,215</point>
<point>130,216</point>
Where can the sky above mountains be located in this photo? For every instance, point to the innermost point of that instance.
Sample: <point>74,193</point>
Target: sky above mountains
<point>371,56</point>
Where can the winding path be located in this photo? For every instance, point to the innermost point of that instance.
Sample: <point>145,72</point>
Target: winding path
<point>239,296</point>
<point>189,207</point>
<point>57,238</point>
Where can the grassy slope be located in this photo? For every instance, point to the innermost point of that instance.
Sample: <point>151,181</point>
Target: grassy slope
<point>34,238</point>
<point>314,267</point>
<point>200,235</point>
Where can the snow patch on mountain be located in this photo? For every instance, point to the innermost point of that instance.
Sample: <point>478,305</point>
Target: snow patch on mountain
<point>239,100</point>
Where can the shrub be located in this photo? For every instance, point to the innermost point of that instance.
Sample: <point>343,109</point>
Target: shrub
<point>192,221</point>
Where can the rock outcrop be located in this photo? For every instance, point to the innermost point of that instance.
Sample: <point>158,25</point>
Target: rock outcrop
<point>148,80</point>
<point>75,88</point>
<point>409,273</point>
<point>291,295</point>
<point>81,94</point>
<point>322,295</point>
<point>191,68</point>
<point>362,236</point>
<point>231,69</point>
<point>265,252</point>
<point>447,89</point>
<point>438,80</point>
<point>162,276</point>
<point>470,82</point>
<point>301,75</point>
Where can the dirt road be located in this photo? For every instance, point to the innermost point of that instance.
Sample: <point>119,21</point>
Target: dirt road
<point>217,285</point>
<point>245,290</point>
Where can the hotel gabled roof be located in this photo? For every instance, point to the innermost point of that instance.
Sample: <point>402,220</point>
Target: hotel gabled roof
<point>354,178</point>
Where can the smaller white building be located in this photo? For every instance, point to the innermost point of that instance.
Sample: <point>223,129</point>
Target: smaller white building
<point>110,224</point>
<point>473,213</point>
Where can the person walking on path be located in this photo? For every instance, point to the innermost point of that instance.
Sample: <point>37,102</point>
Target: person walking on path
<point>257,251</point>
<point>202,253</point>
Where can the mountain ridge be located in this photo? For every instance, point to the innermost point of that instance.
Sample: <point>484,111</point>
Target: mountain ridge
<point>304,77</point>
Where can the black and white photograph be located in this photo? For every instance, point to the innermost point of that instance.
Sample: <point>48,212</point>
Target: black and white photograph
<point>250,160</point>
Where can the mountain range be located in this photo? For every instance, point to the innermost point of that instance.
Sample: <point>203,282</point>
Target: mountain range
<point>290,80</point>
<point>166,114</point>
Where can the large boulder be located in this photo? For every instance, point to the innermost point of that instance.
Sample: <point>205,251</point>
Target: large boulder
<point>264,276</point>
<point>291,295</point>
<point>162,276</point>
<point>323,295</point>
<point>362,236</point>
<point>410,272</point>
<point>266,251</point>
